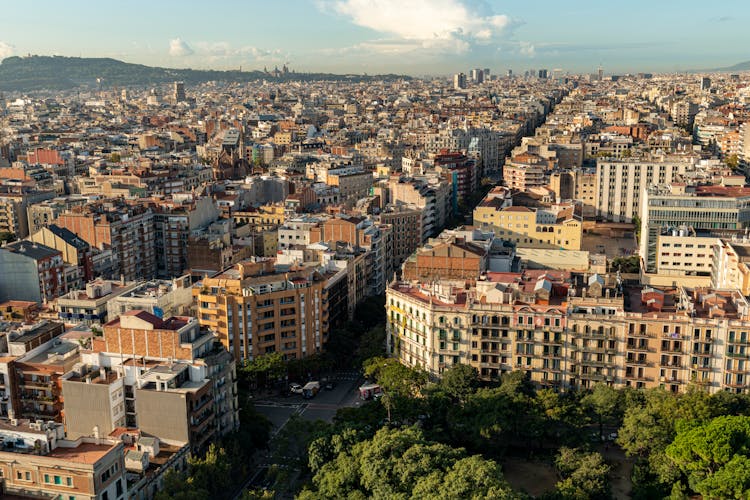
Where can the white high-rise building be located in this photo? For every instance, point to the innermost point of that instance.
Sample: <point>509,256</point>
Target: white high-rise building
<point>621,183</point>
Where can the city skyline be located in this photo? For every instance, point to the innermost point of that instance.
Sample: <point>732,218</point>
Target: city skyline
<point>423,37</point>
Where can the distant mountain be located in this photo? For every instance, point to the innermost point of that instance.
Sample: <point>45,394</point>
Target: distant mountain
<point>743,66</point>
<point>61,73</point>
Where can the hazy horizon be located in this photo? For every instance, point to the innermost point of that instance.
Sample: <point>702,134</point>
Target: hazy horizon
<point>421,37</point>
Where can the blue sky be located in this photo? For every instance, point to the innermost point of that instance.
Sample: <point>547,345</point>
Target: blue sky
<point>373,36</point>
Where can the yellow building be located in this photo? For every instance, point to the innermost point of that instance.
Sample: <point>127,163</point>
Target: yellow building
<point>530,227</point>
<point>266,217</point>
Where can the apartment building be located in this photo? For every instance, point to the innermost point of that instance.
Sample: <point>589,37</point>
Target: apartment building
<point>526,171</point>
<point>406,224</point>
<point>175,220</point>
<point>75,251</point>
<point>37,461</point>
<point>706,210</point>
<point>432,196</point>
<point>361,233</point>
<point>167,365</point>
<point>127,229</point>
<point>89,306</point>
<point>38,378</point>
<point>256,309</point>
<point>530,227</point>
<point>31,272</point>
<point>13,210</point>
<point>351,184</point>
<point>162,298</point>
<point>572,331</point>
<point>43,213</point>
<point>620,185</point>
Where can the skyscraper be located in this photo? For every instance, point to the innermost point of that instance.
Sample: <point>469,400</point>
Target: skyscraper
<point>459,81</point>
<point>178,92</point>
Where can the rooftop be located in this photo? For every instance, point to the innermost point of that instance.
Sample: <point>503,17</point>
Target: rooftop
<point>84,453</point>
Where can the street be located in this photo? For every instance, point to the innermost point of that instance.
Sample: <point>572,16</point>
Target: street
<point>322,407</point>
<point>279,410</point>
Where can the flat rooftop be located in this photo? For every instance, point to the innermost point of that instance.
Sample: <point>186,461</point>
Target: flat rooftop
<point>84,453</point>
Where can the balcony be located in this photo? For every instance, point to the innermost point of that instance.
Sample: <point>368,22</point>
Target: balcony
<point>671,380</point>
<point>639,348</point>
<point>670,364</point>
<point>37,383</point>
<point>639,334</point>
<point>636,361</point>
<point>737,355</point>
<point>595,362</point>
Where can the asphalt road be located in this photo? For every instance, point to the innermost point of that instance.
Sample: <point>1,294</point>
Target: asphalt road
<point>322,407</point>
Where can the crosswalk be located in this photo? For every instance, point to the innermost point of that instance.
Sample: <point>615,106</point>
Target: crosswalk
<point>276,404</point>
<point>344,376</point>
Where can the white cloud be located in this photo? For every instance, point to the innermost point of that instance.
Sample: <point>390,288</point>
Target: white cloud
<point>179,48</point>
<point>6,50</point>
<point>224,50</point>
<point>527,49</point>
<point>435,25</point>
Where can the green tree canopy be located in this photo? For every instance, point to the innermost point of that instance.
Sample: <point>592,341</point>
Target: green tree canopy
<point>459,381</point>
<point>585,475</point>
<point>714,457</point>
<point>403,464</point>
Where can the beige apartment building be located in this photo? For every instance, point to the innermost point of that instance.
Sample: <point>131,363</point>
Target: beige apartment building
<point>42,464</point>
<point>573,331</point>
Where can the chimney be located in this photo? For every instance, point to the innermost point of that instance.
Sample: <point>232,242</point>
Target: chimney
<point>122,279</point>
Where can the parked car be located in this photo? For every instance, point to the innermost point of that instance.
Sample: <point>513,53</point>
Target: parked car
<point>310,389</point>
<point>295,388</point>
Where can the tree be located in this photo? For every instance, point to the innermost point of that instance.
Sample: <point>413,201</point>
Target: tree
<point>733,162</point>
<point>469,478</point>
<point>459,381</point>
<point>7,236</point>
<point>115,158</point>
<point>637,226</point>
<point>648,428</point>
<point>209,477</point>
<point>211,472</point>
<point>264,370</point>
<point>714,457</point>
<point>607,404</point>
<point>402,464</point>
<point>585,475</point>
<point>399,383</point>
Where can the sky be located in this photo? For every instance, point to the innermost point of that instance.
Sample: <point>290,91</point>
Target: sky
<point>415,37</point>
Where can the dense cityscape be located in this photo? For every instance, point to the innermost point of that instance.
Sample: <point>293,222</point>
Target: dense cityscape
<point>524,283</point>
